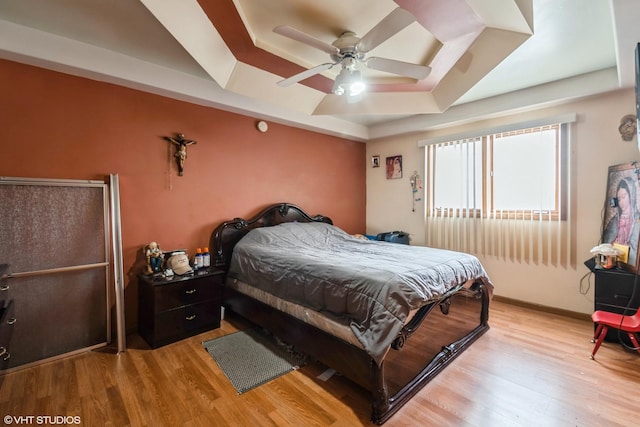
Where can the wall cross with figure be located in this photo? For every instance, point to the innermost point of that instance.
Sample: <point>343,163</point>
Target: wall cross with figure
<point>181,150</point>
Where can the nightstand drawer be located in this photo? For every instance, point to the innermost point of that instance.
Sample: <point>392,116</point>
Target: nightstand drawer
<point>613,292</point>
<point>186,321</point>
<point>172,309</point>
<point>179,294</point>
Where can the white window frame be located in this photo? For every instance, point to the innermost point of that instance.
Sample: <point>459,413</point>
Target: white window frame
<point>485,208</point>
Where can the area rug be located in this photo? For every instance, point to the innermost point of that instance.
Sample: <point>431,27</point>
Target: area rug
<point>252,357</point>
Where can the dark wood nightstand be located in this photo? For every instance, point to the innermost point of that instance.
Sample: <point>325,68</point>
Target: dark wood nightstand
<point>613,292</point>
<point>172,309</point>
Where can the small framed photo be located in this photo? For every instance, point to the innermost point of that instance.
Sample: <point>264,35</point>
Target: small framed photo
<point>394,167</point>
<point>375,161</point>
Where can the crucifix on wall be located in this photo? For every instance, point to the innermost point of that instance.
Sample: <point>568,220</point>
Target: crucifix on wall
<point>181,150</point>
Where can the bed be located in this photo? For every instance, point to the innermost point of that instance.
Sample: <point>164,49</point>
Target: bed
<point>387,316</point>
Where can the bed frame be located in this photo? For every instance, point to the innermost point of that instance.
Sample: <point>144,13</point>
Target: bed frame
<point>441,330</point>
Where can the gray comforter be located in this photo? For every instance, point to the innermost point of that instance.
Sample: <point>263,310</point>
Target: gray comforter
<point>370,285</point>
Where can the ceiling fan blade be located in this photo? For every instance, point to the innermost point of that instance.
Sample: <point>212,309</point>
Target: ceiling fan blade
<point>305,74</point>
<point>400,68</point>
<point>390,25</point>
<point>292,33</point>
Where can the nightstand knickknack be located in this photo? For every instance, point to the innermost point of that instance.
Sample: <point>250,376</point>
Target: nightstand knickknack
<point>172,309</point>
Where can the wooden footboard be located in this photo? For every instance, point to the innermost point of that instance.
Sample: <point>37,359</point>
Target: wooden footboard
<point>437,342</point>
<point>446,331</point>
<point>437,335</point>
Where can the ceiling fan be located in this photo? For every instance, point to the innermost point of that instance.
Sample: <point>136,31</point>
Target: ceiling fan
<point>349,50</point>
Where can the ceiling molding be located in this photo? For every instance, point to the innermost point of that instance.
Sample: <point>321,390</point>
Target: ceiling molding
<point>541,96</point>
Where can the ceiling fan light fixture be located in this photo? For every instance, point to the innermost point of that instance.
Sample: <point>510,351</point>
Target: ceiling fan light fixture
<point>356,85</point>
<point>341,82</point>
<point>348,81</point>
<point>349,50</point>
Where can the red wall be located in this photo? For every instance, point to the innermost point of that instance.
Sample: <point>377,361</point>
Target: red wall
<point>60,126</point>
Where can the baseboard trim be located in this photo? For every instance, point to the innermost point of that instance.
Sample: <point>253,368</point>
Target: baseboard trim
<point>544,308</point>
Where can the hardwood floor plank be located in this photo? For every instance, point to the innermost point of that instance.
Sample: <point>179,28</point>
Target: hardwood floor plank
<point>530,368</point>
<point>130,384</point>
<point>300,399</point>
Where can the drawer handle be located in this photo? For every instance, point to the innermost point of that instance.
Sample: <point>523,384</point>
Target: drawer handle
<point>2,351</point>
<point>11,321</point>
<point>193,316</point>
<point>190,291</point>
<point>4,288</point>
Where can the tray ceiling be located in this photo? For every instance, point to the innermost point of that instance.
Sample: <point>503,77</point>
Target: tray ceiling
<point>224,54</point>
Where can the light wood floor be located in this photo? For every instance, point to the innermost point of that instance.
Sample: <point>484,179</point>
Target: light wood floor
<point>531,369</point>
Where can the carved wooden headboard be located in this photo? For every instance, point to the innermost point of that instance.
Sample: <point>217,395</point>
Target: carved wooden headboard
<point>225,236</point>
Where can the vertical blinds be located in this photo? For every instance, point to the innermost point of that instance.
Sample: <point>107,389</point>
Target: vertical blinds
<point>531,235</point>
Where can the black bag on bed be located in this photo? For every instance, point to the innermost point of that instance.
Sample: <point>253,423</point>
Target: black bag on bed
<point>394,237</point>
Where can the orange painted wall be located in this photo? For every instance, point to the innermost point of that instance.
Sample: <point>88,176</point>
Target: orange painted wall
<point>60,126</point>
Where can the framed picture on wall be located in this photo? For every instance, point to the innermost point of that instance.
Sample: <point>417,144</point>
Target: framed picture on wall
<point>375,161</point>
<point>620,225</point>
<point>394,167</point>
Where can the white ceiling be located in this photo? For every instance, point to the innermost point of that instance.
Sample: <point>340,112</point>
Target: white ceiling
<point>172,48</point>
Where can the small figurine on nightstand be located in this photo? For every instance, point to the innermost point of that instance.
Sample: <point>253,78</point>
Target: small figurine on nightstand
<point>155,257</point>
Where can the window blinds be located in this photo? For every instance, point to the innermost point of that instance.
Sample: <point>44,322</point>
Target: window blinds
<point>531,235</point>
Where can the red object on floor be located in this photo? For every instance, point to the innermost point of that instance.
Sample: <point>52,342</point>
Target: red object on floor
<point>605,320</point>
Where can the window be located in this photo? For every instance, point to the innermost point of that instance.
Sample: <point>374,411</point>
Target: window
<point>516,174</point>
<point>504,192</point>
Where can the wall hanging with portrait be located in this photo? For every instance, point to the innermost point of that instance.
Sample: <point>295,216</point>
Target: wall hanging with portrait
<point>621,222</point>
<point>394,167</point>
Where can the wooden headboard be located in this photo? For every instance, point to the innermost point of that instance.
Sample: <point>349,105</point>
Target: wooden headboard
<point>225,236</point>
